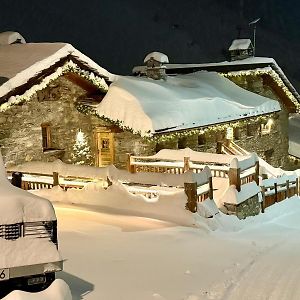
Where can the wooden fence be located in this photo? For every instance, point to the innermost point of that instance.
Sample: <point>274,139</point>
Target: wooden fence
<point>33,181</point>
<point>239,171</point>
<point>277,189</point>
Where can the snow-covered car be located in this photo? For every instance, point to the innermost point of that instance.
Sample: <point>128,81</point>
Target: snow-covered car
<point>29,254</point>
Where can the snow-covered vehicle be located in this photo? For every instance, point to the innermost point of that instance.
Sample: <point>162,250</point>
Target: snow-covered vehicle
<point>29,254</point>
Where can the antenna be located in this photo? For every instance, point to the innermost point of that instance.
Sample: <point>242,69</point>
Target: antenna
<point>254,22</point>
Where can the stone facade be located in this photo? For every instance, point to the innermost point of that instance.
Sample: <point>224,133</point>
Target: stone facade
<point>250,207</point>
<point>21,132</point>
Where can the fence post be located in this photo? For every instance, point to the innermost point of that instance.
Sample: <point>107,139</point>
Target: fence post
<point>256,178</point>
<point>55,179</point>
<point>130,167</point>
<point>275,188</point>
<point>297,186</point>
<point>234,174</point>
<point>186,164</point>
<point>190,189</point>
<point>263,191</point>
<point>287,195</point>
<point>211,189</point>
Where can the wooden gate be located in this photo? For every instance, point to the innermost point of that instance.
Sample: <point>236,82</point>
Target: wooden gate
<point>104,139</point>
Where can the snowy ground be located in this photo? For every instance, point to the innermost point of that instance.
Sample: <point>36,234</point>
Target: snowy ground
<point>116,257</point>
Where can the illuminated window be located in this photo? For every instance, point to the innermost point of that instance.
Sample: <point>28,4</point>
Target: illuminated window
<point>266,127</point>
<point>46,136</point>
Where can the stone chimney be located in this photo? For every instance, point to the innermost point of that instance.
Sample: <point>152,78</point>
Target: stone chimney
<point>240,49</point>
<point>155,68</point>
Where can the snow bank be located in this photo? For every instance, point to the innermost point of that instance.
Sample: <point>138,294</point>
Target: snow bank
<point>181,102</point>
<point>167,207</point>
<point>27,251</point>
<point>58,290</point>
<point>17,206</point>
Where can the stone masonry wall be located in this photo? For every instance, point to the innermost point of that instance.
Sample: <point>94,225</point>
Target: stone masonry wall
<point>250,207</point>
<point>21,134</point>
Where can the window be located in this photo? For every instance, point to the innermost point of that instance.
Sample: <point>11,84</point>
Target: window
<point>182,142</point>
<point>46,136</point>
<point>201,140</point>
<point>237,133</point>
<point>265,128</point>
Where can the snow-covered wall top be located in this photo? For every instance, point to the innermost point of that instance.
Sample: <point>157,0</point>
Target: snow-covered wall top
<point>181,102</point>
<point>20,62</point>
<point>240,44</point>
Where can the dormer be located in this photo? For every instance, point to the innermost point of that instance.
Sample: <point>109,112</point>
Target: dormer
<point>155,68</point>
<point>240,49</point>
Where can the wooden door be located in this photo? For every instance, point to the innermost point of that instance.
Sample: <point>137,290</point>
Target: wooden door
<point>104,147</point>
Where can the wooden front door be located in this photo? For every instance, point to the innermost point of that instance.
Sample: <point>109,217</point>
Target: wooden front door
<point>104,139</point>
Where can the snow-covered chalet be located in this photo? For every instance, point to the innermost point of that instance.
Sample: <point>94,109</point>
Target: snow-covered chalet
<point>57,103</point>
<point>259,75</point>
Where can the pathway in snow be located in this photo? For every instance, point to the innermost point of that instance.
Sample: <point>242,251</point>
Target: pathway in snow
<point>113,257</point>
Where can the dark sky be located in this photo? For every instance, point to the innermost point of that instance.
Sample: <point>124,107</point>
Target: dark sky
<point>117,34</point>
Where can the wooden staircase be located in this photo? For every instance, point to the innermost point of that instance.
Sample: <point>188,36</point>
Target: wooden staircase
<point>230,148</point>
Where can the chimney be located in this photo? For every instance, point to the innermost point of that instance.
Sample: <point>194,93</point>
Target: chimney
<point>155,67</point>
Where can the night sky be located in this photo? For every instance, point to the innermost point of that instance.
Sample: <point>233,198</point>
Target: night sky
<point>117,34</point>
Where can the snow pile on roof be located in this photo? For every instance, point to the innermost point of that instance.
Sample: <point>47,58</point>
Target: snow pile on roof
<point>20,62</point>
<point>27,251</point>
<point>247,191</point>
<point>58,290</point>
<point>17,206</point>
<point>158,56</point>
<point>240,44</point>
<point>10,37</point>
<point>181,102</point>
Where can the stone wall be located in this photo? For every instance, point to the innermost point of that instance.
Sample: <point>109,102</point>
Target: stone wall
<point>250,207</point>
<point>21,137</point>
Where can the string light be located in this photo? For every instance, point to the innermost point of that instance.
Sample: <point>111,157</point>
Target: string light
<point>69,66</point>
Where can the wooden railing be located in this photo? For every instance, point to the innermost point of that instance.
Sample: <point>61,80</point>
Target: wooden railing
<point>277,189</point>
<point>136,164</point>
<point>33,181</point>
<point>197,186</point>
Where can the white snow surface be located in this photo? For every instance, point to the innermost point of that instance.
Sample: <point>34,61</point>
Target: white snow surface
<point>27,251</point>
<point>117,198</point>
<point>9,37</point>
<point>240,44</point>
<point>124,257</point>
<point>248,190</point>
<point>58,290</point>
<point>158,56</point>
<point>17,205</point>
<point>180,102</point>
<point>20,62</point>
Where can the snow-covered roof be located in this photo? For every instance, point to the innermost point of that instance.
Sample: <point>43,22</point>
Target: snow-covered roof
<point>10,37</point>
<point>180,102</point>
<point>17,206</point>
<point>20,62</point>
<point>158,56</point>
<point>240,44</point>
